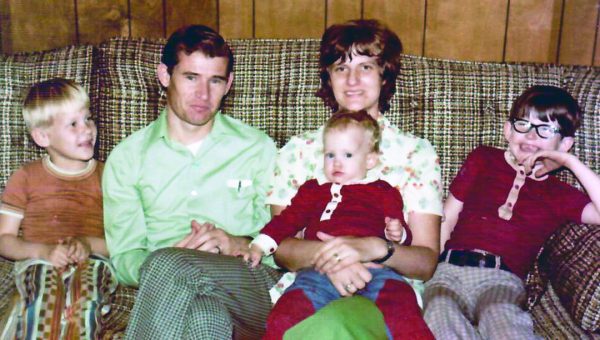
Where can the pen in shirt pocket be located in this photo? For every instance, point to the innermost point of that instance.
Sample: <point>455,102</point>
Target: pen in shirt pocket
<point>238,184</point>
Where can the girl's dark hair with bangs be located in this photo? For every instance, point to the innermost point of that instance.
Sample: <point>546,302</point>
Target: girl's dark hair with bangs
<point>363,37</point>
<point>551,103</point>
<point>195,38</point>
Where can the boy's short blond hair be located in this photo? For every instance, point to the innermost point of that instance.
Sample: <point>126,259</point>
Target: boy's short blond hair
<point>345,118</point>
<point>47,99</point>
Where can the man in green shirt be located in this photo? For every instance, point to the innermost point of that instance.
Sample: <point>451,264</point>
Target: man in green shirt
<point>183,192</point>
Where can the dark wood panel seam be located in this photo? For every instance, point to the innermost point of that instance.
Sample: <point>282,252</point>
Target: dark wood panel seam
<point>76,22</point>
<point>362,9</point>
<point>253,19</point>
<point>164,17</point>
<point>326,14</point>
<point>218,16</point>
<point>129,34</point>
<point>424,35</point>
<point>504,44</point>
<point>595,43</point>
<point>560,31</point>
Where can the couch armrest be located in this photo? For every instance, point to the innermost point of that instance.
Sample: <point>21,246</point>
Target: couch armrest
<point>7,285</point>
<point>570,263</point>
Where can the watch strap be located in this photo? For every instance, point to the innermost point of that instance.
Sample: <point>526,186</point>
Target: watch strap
<point>390,251</point>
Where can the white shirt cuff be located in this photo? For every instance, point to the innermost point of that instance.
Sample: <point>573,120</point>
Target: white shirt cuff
<point>266,243</point>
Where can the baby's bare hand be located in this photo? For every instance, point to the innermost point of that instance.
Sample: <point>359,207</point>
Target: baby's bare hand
<point>58,255</point>
<point>254,255</point>
<point>393,229</point>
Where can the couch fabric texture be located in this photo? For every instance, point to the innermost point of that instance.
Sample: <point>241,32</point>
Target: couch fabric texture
<point>455,105</point>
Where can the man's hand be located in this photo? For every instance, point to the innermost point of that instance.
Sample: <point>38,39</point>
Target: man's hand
<point>207,237</point>
<point>350,279</point>
<point>393,229</point>
<point>197,230</point>
<point>546,161</point>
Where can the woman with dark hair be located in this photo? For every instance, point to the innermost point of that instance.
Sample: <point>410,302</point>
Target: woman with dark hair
<point>359,63</point>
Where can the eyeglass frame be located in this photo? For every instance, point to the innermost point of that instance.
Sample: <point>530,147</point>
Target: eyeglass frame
<point>554,129</point>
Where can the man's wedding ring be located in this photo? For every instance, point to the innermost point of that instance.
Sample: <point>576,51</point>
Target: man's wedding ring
<point>337,257</point>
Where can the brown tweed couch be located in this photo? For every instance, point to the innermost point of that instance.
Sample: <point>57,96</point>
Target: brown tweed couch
<point>456,105</point>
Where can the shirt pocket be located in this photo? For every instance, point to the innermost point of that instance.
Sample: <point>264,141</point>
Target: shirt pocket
<point>240,187</point>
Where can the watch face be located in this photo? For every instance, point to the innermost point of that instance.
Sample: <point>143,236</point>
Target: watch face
<point>390,252</point>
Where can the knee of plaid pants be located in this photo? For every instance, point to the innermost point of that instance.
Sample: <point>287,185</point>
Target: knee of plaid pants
<point>447,315</point>
<point>500,312</point>
<point>207,318</point>
<point>163,262</point>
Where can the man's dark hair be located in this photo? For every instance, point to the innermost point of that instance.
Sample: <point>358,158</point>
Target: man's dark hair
<point>195,38</point>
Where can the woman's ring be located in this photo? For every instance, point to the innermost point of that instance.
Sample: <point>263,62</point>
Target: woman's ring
<point>337,257</point>
<point>349,287</point>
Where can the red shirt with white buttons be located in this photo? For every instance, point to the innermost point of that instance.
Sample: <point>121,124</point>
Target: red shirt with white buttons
<point>506,212</point>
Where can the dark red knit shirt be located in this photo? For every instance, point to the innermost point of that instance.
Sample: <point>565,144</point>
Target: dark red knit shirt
<point>360,213</point>
<point>489,186</point>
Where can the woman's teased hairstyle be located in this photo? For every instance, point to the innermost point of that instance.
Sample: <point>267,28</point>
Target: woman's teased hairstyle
<point>360,37</point>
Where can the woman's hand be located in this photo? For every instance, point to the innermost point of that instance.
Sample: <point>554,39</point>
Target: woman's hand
<point>337,253</point>
<point>350,279</point>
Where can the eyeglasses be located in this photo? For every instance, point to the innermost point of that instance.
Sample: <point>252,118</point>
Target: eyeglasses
<point>543,130</point>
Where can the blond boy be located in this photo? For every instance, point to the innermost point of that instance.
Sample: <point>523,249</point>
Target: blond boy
<point>51,220</point>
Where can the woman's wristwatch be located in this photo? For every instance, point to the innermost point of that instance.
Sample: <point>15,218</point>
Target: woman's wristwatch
<point>390,251</point>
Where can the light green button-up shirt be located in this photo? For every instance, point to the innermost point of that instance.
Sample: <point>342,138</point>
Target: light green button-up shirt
<point>154,187</point>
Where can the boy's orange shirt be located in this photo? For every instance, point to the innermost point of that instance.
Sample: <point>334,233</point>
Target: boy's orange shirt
<point>55,205</point>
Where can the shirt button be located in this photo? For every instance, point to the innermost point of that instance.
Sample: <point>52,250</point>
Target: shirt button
<point>517,186</point>
<point>509,204</point>
<point>194,193</point>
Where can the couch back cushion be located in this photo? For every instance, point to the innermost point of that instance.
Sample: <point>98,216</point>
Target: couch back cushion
<point>17,73</point>
<point>456,105</point>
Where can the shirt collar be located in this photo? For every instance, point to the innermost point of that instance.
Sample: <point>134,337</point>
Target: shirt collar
<point>160,128</point>
<point>66,174</point>
<point>520,169</point>
<point>321,179</point>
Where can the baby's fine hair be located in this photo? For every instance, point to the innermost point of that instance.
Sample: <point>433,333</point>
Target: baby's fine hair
<point>342,119</point>
<point>49,98</point>
<point>550,103</point>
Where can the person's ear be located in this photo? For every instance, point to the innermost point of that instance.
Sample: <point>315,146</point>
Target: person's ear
<point>40,137</point>
<point>566,143</point>
<point>229,82</point>
<point>507,130</point>
<point>372,159</point>
<point>162,71</point>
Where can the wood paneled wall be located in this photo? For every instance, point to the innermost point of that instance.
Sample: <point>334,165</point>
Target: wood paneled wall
<point>550,31</point>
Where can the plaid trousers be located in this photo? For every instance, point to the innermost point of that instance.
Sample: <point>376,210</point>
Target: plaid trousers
<point>476,303</point>
<point>189,294</point>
